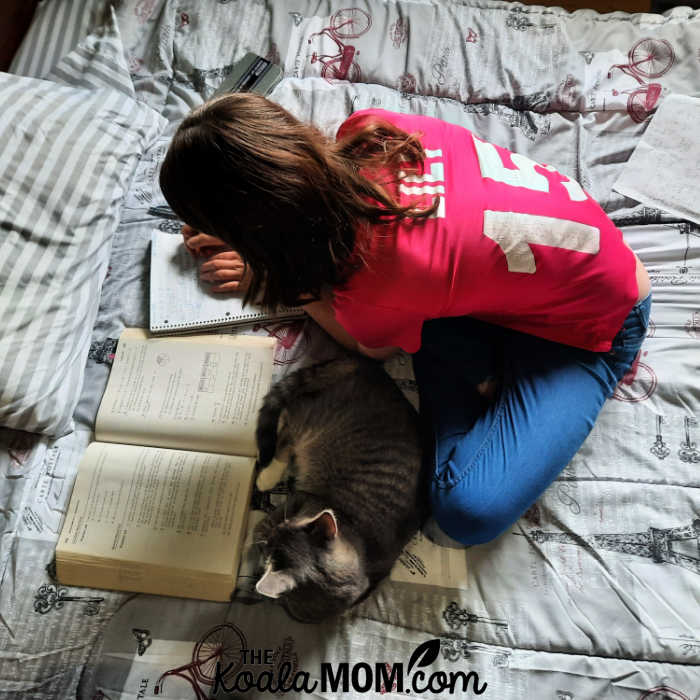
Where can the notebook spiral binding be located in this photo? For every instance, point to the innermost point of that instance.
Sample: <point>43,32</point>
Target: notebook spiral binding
<point>232,319</point>
<point>213,321</point>
<point>164,305</point>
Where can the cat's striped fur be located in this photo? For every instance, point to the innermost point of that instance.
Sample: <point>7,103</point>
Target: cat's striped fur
<point>350,439</point>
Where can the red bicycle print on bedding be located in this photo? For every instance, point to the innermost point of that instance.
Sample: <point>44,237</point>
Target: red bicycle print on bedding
<point>222,644</point>
<point>398,32</point>
<point>347,23</point>
<point>647,59</point>
<point>638,383</point>
<point>144,9</point>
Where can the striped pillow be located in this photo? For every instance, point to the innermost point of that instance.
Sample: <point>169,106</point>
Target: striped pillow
<point>68,154</point>
<point>56,29</point>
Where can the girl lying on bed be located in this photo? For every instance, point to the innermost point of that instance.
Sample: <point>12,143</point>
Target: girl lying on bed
<point>409,232</point>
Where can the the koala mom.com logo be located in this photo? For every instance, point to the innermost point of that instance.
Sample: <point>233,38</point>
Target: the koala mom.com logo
<point>362,677</point>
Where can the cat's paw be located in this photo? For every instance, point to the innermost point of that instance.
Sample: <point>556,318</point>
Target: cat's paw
<point>270,476</point>
<point>265,481</point>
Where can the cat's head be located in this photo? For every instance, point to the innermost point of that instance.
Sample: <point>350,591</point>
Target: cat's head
<point>314,569</point>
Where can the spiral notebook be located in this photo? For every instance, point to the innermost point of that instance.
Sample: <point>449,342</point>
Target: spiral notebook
<point>181,303</point>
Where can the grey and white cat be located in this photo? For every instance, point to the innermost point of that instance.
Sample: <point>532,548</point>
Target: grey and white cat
<point>350,439</point>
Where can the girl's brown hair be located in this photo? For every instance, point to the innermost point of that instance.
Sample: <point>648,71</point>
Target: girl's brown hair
<point>298,207</point>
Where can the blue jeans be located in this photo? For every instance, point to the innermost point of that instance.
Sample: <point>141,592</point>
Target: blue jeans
<point>491,461</point>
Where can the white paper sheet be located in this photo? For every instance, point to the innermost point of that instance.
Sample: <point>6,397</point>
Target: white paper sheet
<point>664,170</point>
<point>180,302</point>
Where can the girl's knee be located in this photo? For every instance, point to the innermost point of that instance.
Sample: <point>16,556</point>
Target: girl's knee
<point>471,517</point>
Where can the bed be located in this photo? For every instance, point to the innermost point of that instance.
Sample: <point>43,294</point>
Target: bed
<point>594,592</point>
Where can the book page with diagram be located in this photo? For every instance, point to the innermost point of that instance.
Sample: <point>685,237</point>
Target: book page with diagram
<point>160,508</point>
<point>186,392</point>
<point>423,561</point>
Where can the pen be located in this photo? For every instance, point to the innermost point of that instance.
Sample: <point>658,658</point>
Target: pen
<point>164,212</point>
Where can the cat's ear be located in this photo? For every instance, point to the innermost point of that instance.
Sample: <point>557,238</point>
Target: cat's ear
<point>273,584</point>
<point>323,522</point>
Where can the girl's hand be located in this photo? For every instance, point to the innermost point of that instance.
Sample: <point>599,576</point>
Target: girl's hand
<point>202,245</point>
<point>224,268</point>
<point>226,272</point>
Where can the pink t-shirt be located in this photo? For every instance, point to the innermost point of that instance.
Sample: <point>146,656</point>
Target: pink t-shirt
<point>513,243</point>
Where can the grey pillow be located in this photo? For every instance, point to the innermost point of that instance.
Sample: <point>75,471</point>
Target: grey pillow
<point>57,27</point>
<point>68,152</point>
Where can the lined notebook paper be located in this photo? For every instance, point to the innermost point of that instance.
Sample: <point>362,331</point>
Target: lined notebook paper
<point>664,169</point>
<point>180,302</point>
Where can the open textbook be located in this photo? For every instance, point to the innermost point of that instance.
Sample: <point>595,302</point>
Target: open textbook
<point>180,302</point>
<point>160,501</point>
<point>422,561</point>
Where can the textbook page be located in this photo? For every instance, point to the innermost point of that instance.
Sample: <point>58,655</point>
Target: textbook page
<point>197,393</point>
<point>423,561</point>
<point>160,508</point>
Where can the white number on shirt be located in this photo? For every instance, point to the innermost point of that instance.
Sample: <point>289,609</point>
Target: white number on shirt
<point>524,175</point>
<point>515,232</point>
